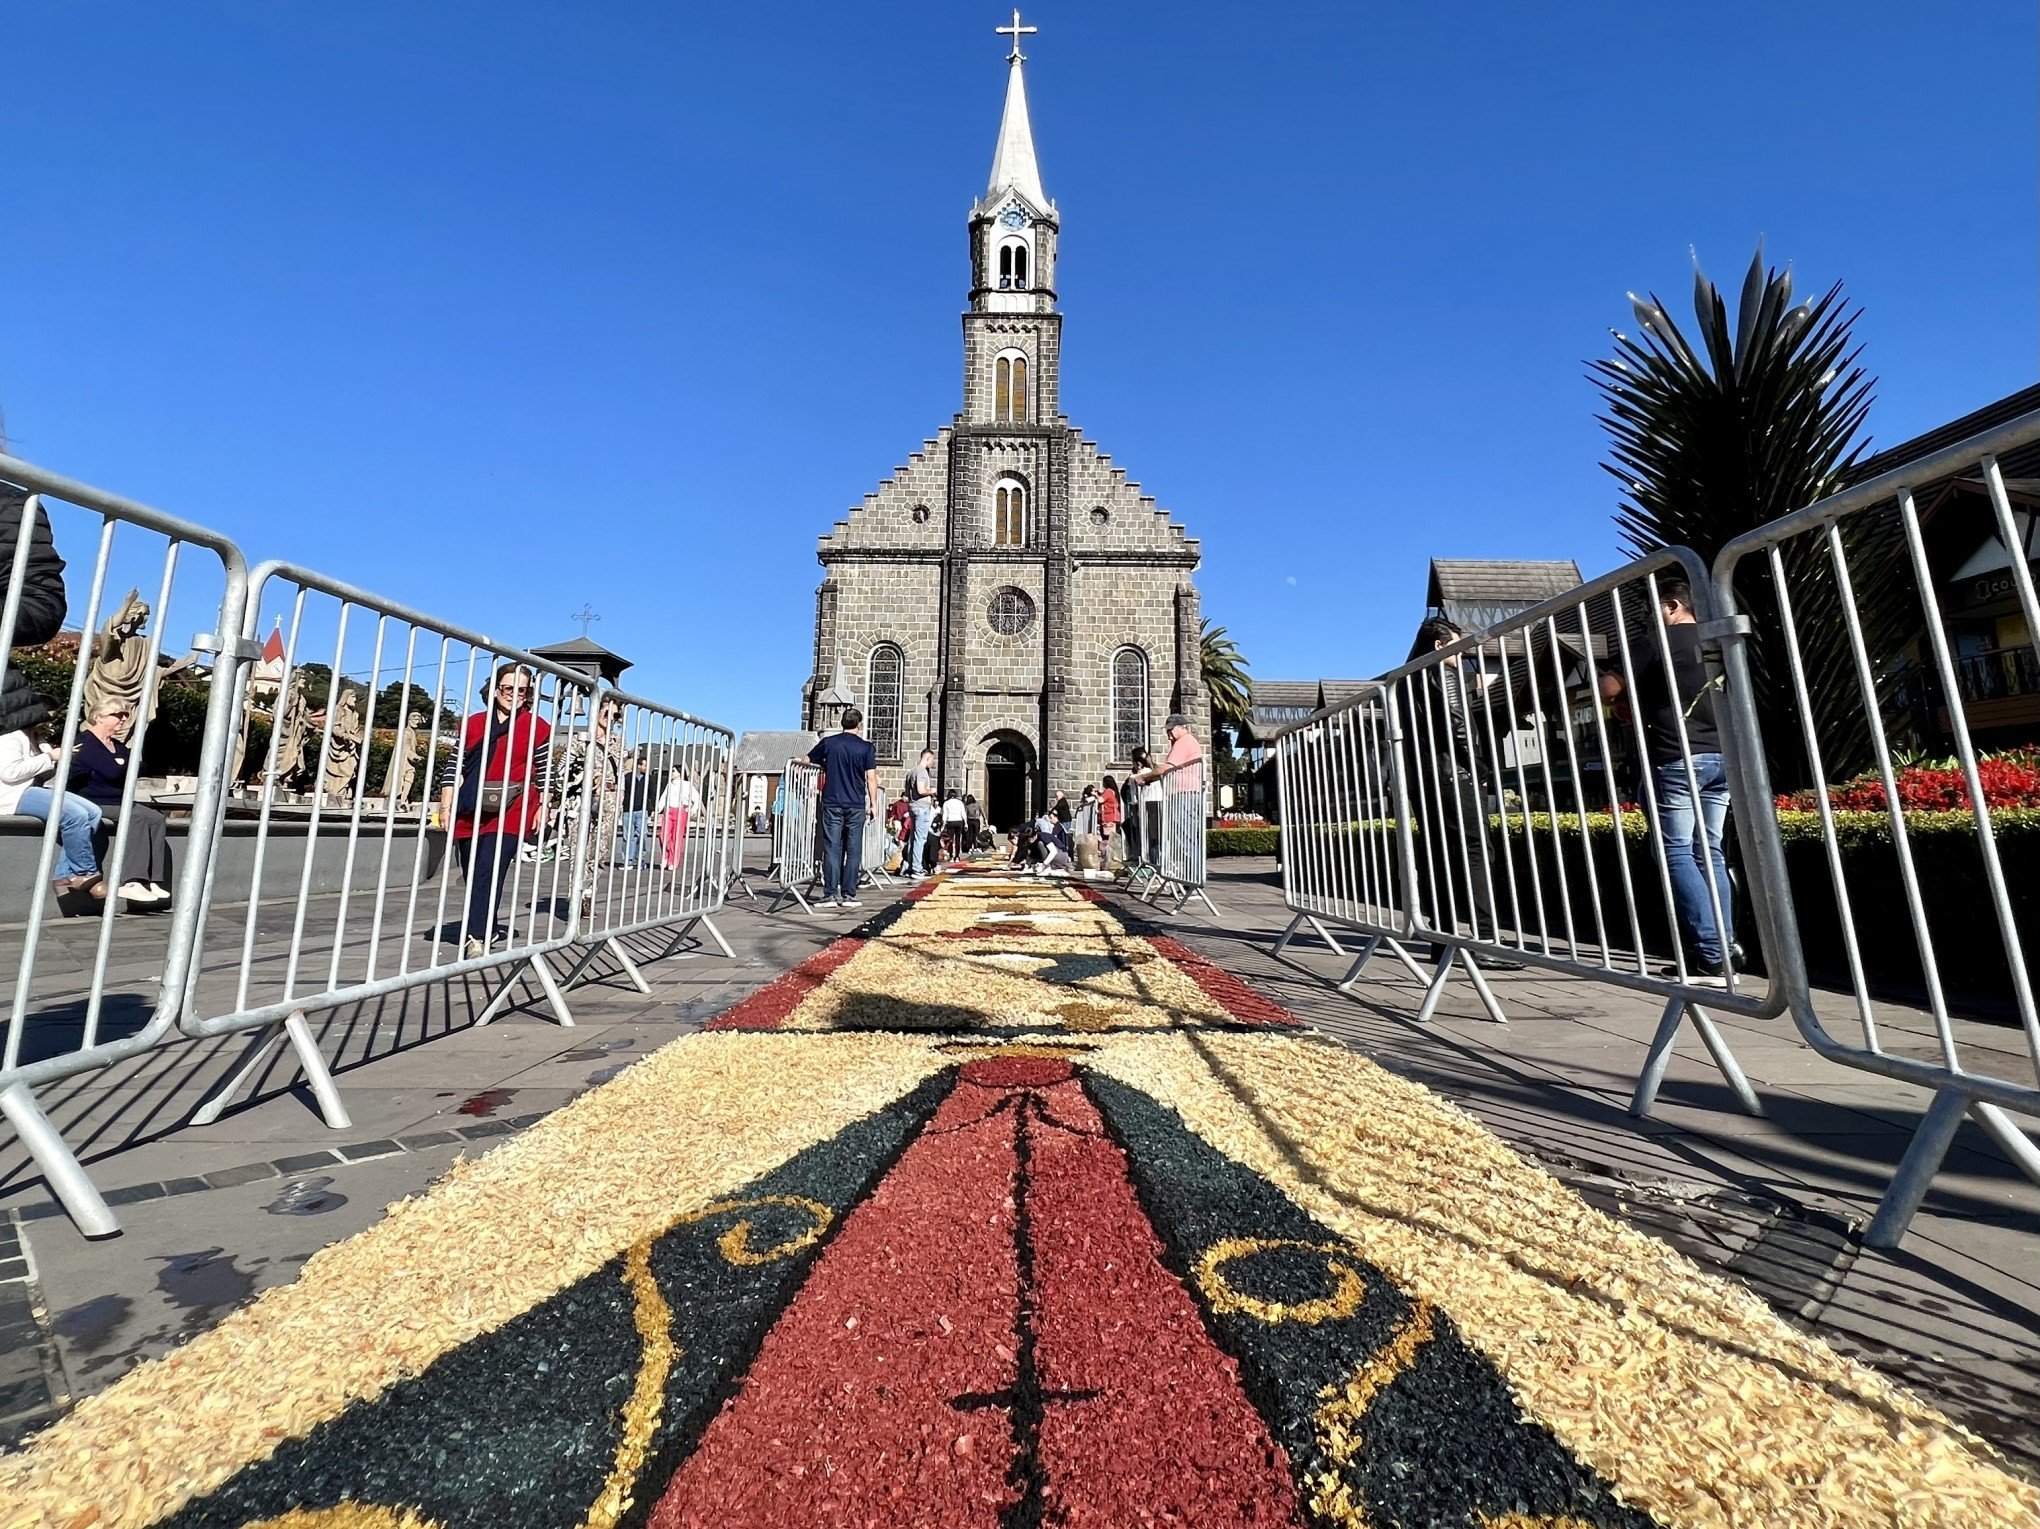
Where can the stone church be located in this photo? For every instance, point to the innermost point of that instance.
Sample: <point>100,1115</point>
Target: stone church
<point>1008,597</point>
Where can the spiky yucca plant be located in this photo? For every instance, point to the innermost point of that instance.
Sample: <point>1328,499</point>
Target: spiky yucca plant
<point>1717,436</point>
<point>1225,676</point>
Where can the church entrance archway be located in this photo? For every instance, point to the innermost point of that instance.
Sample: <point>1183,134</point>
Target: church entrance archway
<point>1009,780</point>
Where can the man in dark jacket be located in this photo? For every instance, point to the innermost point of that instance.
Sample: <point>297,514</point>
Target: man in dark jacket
<point>42,605</point>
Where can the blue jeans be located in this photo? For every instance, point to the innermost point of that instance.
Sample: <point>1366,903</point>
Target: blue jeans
<point>924,825</point>
<point>637,844</point>
<point>1692,847</point>
<point>75,824</point>
<point>842,850</point>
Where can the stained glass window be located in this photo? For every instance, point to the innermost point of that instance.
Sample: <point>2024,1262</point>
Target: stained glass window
<point>1009,513</point>
<point>885,680</point>
<point>1011,612</point>
<point>1129,703</point>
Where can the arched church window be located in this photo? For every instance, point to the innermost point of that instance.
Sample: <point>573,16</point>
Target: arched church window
<point>1005,266</point>
<point>1129,703</point>
<point>1009,388</point>
<point>1013,265</point>
<point>1009,513</point>
<point>884,685</point>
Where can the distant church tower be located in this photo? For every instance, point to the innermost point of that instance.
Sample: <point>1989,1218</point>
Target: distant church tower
<point>1007,597</point>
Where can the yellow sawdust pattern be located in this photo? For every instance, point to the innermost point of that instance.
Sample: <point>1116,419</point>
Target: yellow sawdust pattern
<point>1684,1390</point>
<point>654,1321</point>
<point>493,1238</point>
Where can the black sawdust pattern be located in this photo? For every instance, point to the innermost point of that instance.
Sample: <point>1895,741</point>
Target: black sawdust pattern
<point>521,1425</point>
<point>1442,1442</point>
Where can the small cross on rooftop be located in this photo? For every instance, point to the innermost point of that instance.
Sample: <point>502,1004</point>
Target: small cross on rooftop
<point>1016,32</point>
<point>586,616</point>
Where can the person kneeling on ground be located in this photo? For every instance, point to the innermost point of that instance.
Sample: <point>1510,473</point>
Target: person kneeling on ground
<point>99,770</point>
<point>27,758</point>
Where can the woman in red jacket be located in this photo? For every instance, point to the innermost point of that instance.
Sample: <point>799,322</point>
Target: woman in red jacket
<point>493,794</point>
<point>1110,812</point>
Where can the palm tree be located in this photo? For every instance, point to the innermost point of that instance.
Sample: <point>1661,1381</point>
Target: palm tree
<point>1712,439</point>
<point>1225,677</point>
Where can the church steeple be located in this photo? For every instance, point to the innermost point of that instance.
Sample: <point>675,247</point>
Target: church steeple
<point>1014,167</point>
<point>1013,226</point>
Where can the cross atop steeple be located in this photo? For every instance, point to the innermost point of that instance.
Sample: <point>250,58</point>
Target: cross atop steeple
<point>1016,32</point>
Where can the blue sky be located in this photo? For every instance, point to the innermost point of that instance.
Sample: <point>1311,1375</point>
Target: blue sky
<point>502,308</point>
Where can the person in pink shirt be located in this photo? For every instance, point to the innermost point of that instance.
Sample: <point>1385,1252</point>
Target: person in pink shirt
<point>1184,749</point>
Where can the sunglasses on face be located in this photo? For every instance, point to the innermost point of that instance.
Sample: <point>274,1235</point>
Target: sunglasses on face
<point>517,690</point>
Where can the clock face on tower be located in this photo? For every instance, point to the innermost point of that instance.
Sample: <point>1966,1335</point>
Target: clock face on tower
<point>1013,217</point>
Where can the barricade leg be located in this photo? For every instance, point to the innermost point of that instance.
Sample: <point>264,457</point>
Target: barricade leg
<point>2004,1130</point>
<point>1480,987</point>
<point>1360,959</point>
<point>630,968</point>
<point>1436,989</point>
<point>717,935</point>
<point>61,1170</point>
<point>318,1077</point>
<point>1455,956</point>
<point>1916,1170</point>
<point>555,999</point>
<point>1659,1058</point>
<point>1297,923</point>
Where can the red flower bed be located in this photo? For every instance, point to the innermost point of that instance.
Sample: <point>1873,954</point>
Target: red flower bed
<point>2009,780</point>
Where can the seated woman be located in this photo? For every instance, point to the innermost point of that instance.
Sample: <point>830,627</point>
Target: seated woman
<point>99,768</point>
<point>26,758</point>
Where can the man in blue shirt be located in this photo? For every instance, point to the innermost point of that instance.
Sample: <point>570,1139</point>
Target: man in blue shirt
<point>849,800</point>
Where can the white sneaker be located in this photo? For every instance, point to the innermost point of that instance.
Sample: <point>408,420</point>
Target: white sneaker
<point>472,949</point>
<point>848,902</point>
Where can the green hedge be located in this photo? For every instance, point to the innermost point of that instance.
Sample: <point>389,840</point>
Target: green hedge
<point>1953,889</point>
<point>1241,841</point>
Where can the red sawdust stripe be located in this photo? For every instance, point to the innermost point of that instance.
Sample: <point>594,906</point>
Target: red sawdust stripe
<point>767,1008</point>
<point>912,1383</point>
<point>1228,991</point>
<point>1156,1428</point>
<point>846,1415</point>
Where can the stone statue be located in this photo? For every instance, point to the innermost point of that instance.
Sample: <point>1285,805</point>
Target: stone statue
<point>119,674</point>
<point>293,729</point>
<point>343,749</point>
<point>402,774</point>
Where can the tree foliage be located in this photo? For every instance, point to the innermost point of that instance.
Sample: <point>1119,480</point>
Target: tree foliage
<point>1747,422</point>
<point>1225,676</point>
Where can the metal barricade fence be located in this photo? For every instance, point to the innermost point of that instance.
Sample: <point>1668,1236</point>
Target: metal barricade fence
<point>676,874</point>
<point>872,849</point>
<point>1527,794</point>
<point>1176,858</point>
<point>87,994</point>
<point>795,857</point>
<point>1912,902</point>
<point>355,865</point>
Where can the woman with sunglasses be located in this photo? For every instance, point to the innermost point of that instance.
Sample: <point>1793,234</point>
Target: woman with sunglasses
<point>99,771</point>
<point>598,751</point>
<point>492,794</point>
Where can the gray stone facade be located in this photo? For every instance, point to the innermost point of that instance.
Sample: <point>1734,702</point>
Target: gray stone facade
<point>918,566</point>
